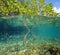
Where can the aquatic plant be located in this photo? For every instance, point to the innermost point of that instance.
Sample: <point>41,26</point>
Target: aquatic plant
<point>30,49</point>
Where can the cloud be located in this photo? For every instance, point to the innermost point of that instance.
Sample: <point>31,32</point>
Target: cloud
<point>56,9</point>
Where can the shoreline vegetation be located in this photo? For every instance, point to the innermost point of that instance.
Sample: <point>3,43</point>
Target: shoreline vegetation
<point>21,7</point>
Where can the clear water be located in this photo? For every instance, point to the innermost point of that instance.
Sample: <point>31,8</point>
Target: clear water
<point>27,29</point>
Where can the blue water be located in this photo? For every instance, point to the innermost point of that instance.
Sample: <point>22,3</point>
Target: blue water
<point>13,29</point>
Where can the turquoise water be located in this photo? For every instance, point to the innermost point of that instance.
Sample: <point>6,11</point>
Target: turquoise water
<point>40,30</point>
<point>45,27</point>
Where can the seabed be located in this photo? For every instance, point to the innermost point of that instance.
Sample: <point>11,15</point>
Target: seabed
<point>31,47</point>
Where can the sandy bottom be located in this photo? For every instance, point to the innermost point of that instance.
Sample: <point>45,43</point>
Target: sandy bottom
<point>30,47</point>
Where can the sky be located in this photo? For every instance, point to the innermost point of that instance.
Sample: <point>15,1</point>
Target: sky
<point>56,5</point>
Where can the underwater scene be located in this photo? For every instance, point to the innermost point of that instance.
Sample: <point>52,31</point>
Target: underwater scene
<point>30,35</point>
